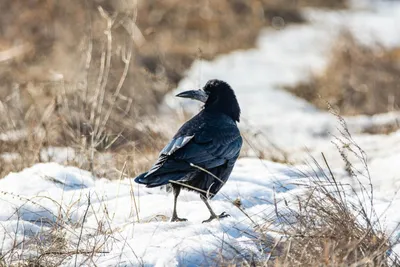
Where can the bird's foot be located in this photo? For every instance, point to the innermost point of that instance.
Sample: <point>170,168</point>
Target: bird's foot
<point>177,219</point>
<point>222,215</point>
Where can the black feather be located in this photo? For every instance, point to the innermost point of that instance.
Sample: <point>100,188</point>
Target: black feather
<point>210,140</point>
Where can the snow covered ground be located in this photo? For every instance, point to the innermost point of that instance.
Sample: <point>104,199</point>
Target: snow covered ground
<point>50,194</point>
<point>127,223</point>
<point>286,57</point>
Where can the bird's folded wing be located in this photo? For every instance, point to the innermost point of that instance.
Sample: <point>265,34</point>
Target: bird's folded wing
<point>208,148</point>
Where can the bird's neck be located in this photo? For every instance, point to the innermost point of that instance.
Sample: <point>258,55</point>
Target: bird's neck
<point>229,107</point>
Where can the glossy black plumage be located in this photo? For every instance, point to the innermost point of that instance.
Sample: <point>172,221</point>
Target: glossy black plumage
<point>210,140</point>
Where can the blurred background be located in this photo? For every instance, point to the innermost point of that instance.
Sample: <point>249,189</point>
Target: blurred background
<point>82,82</point>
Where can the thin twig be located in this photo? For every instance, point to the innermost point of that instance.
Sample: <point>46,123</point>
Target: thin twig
<point>81,232</point>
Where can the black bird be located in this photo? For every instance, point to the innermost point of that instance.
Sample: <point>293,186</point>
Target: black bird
<point>202,153</point>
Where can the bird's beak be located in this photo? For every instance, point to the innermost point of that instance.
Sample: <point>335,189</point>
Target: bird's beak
<point>199,95</point>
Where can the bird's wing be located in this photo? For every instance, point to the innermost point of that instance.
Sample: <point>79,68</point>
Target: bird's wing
<point>168,150</point>
<point>211,146</point>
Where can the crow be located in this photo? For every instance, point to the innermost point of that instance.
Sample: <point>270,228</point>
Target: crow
<point>201,155</point>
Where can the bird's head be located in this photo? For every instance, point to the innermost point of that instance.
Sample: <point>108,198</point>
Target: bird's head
<point>217,96</point>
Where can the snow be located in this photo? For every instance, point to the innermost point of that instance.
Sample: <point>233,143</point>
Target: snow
<point>8,157</point>
<point>57,154</point>
<point>128,222</point>
<point>13,135</point>
<point>60,195</point>
<point>287,57</point>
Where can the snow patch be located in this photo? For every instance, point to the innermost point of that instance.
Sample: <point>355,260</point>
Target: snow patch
<point>52,192</point>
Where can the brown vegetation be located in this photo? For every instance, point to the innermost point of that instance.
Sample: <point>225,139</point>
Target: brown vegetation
<point>333,222</point>
<point>336,223</point>
<point>357,80</point>
<point>46,38</point>
<point>90,74</point>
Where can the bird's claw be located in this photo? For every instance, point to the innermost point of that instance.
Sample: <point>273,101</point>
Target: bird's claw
<point>222,215</point>
<point>177,219</point>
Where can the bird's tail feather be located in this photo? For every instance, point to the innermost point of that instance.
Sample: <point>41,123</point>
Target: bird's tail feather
<point>158,180</point>
<point>140,179</point>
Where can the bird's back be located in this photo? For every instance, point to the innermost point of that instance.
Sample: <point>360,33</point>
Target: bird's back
<point>210,140</point>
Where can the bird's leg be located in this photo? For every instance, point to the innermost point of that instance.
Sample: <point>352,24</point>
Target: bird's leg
<point>213,215</point>
<point>175,218</point>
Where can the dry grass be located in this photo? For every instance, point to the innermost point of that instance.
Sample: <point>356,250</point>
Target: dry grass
<point>335,223</point>
<point>61,241</point>
<point>332,223</point>
<point>100,140</point>
<point>357,80</point>
<point>386,128</point>
<point>48,37</point>
<point>323,3</point>
<point>257,144</point>
<point>90,74</point>
<point>332,229</point>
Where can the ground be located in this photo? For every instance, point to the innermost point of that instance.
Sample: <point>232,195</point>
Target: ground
<point>133,235</point>
<point>110,223</point>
